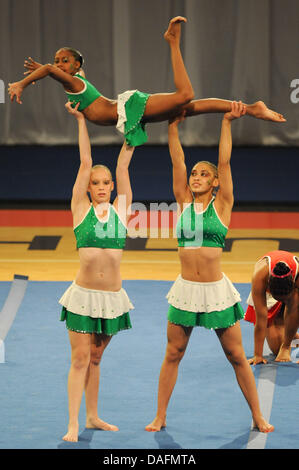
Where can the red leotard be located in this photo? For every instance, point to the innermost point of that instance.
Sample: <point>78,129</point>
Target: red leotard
<point>273,258</point>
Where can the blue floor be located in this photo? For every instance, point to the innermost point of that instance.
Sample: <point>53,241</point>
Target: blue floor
<point>207,410</point>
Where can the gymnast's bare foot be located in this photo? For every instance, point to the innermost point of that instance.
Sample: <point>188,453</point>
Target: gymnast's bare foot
<point>72,433</point>
<point>262,425</point>
<point>173,33</point>
<point>261,111</point>
<point>156,425</point>
<point>284,354</point>
<point>97,423</point>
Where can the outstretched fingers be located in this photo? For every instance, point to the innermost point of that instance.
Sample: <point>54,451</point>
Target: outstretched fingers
<point>257,360</point>
<point>15,90</point>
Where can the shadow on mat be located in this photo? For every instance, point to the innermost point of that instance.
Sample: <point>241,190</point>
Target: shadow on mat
<point>83,443</point>
<point>285,375</point>
<point>239,443</point>
<point>165,440</point>
<point>288,374</point>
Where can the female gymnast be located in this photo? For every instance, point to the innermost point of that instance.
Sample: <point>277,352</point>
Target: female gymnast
<point>273,304</point>
<point>202,295</point>
<point>95,306</point>
<point>133,109</point>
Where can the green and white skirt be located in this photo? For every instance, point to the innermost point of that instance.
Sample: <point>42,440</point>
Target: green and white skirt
<point>130,109</point>
<point>95,311</point>
<point>212,305</point>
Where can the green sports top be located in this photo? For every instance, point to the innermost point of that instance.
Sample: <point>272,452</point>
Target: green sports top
<point>92,232</point>
<point>200,229</point>
<point>86,96</point>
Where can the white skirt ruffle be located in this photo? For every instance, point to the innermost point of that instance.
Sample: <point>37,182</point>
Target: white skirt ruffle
<point>96,303</point>
<point>121,110</point>
<point>203,296</point>
<point>269,300</point>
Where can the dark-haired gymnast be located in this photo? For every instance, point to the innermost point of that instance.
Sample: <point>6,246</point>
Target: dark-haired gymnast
<point>202,295</point>
<point>133,109</point>
<point>273,304</point>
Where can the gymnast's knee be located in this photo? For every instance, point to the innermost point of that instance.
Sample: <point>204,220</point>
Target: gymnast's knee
<point>95,358</point>
<point>174,354</point>
<point>236,357</point>
<point>185,96</point>
<point>80,360</point>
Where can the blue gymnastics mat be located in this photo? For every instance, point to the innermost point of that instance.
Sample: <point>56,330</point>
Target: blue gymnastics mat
<point>207,409</point>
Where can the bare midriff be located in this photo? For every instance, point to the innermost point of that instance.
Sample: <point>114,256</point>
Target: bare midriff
<point>99,269</point>
<point>201,264</point>
<point>102,111</point>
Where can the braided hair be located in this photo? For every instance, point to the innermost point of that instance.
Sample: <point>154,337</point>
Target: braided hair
<point>281,281</point>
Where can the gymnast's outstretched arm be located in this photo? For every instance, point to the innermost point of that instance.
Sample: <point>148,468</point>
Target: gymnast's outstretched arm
<point>69,82</point>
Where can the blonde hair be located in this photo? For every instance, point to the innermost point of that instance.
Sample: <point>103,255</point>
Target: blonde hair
<point>95,167</point>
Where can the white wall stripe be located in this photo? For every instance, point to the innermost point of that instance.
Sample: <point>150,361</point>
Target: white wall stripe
<point>265,390</point>
<point>10,308</point>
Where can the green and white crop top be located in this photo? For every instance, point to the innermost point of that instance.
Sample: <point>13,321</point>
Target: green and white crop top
<point>92,232</point>
<point>86,96</point>
<point>200,229</point>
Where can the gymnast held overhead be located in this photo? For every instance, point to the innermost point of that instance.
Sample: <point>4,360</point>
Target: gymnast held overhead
<point>133,109</point>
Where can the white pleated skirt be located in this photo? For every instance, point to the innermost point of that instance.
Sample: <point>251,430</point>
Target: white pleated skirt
<point>95,303</point>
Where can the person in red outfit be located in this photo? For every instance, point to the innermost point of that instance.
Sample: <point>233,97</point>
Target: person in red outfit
<point>273,304</point>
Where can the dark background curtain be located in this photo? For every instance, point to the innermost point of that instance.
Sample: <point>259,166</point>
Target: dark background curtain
<point>233,49</point>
